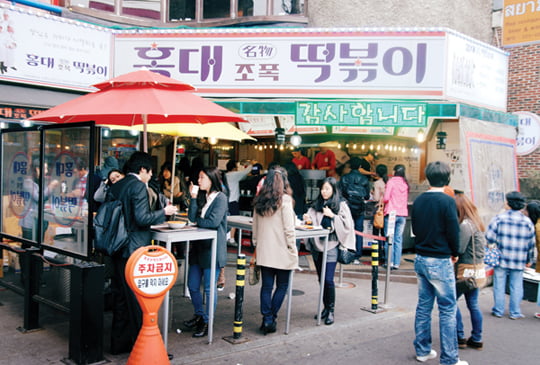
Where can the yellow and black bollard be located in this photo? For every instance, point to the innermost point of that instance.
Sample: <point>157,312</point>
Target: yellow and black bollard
<point>239,301</point>
<point>374,278</point>
<point>374,275</point>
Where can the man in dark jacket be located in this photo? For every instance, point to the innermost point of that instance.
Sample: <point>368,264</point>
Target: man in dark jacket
<point>355,189</point>
<point>132,192</point>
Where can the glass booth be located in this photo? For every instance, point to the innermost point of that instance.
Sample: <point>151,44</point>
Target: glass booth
<point>46,175</point>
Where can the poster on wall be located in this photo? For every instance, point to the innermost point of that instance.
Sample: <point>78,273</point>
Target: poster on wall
<point>46,50</point>
<point>492,170</point>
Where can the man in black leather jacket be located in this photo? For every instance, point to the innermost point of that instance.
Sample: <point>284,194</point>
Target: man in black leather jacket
<point>355,189</point>
<point>132,192</point>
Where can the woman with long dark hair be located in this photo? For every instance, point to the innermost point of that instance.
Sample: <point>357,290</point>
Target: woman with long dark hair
<point>331,212</point>
<point>275,241</point>
<point>471,234</point>
<point>208,208</point>
<point>396,197</point>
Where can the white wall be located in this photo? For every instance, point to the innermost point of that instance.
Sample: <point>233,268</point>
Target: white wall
<point>472,18</point>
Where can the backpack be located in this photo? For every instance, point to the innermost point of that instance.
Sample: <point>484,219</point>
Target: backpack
<point>110,232</point>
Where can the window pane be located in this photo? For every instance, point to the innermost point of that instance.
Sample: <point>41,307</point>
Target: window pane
<point>245,7</point>
<point>284,7</point>
<point>66,209</point>
<point>20,192</point>
<point>142,8</point>
<point>182,9</point>
<point>217,9</point>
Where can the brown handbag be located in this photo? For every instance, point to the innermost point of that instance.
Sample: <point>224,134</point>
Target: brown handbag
<point>378,218</point>
<point>470,276</point>
<point>254,271</point>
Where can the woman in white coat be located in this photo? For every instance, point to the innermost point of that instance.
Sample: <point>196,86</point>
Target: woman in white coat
<point>275,241</point>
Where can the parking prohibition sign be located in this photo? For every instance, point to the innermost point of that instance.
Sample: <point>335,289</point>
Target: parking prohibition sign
<point>150,272</point>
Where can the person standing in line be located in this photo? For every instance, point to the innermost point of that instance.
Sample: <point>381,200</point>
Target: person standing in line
<point>331,212</point>
<point>132,192</point>
<point>355,189</point>
<point>325,160</point>
<point>233,177</point>
<point>471,233</point>
<point>274,239</point>
<point>301,161</point>
<point>298,186</point>
<point>197,165</point>
<point>366,164</point>
<point>379,187</point>
<point>436,229</point>
<point>514,235</point>
<point>533,211</point>
<point>166,180</point>
<point>396,198</point>
<point>208,209</point>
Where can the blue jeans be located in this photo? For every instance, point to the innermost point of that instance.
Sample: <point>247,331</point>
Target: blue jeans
<point>359,226</point>
<point>196,274</point>
<point>270,304</point>
<point>516,291</point>
<point>436,280</point>
<point>398,240</point>
<point>476,317</point>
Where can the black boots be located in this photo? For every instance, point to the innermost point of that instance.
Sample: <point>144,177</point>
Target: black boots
<point>201,330</point>
<point>329,301</point>
<point>324,314</point>
<point>330,319</point>
<point>197,323</point>
<point>268,328</point>
<point>193,321</point>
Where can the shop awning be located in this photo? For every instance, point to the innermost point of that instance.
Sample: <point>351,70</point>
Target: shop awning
<point>34,97</point>
<point>225,131</point>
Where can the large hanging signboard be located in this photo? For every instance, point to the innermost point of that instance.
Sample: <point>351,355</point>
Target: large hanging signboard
<point>51,51</point>
<point>323,63</point>
<point>291,62</point>
<point>521,22</point>
<point>476,73</point>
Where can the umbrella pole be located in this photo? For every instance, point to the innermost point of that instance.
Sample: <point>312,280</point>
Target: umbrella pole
<point>145,134</point>
<point>173,168</point>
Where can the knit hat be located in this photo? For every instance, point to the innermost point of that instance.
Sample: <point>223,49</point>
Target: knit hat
<point>515,200</point>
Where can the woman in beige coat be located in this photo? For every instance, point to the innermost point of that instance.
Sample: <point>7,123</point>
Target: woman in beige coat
<point>275,241</point>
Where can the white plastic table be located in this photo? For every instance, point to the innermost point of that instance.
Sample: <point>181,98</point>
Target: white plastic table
<point>186,235</point>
